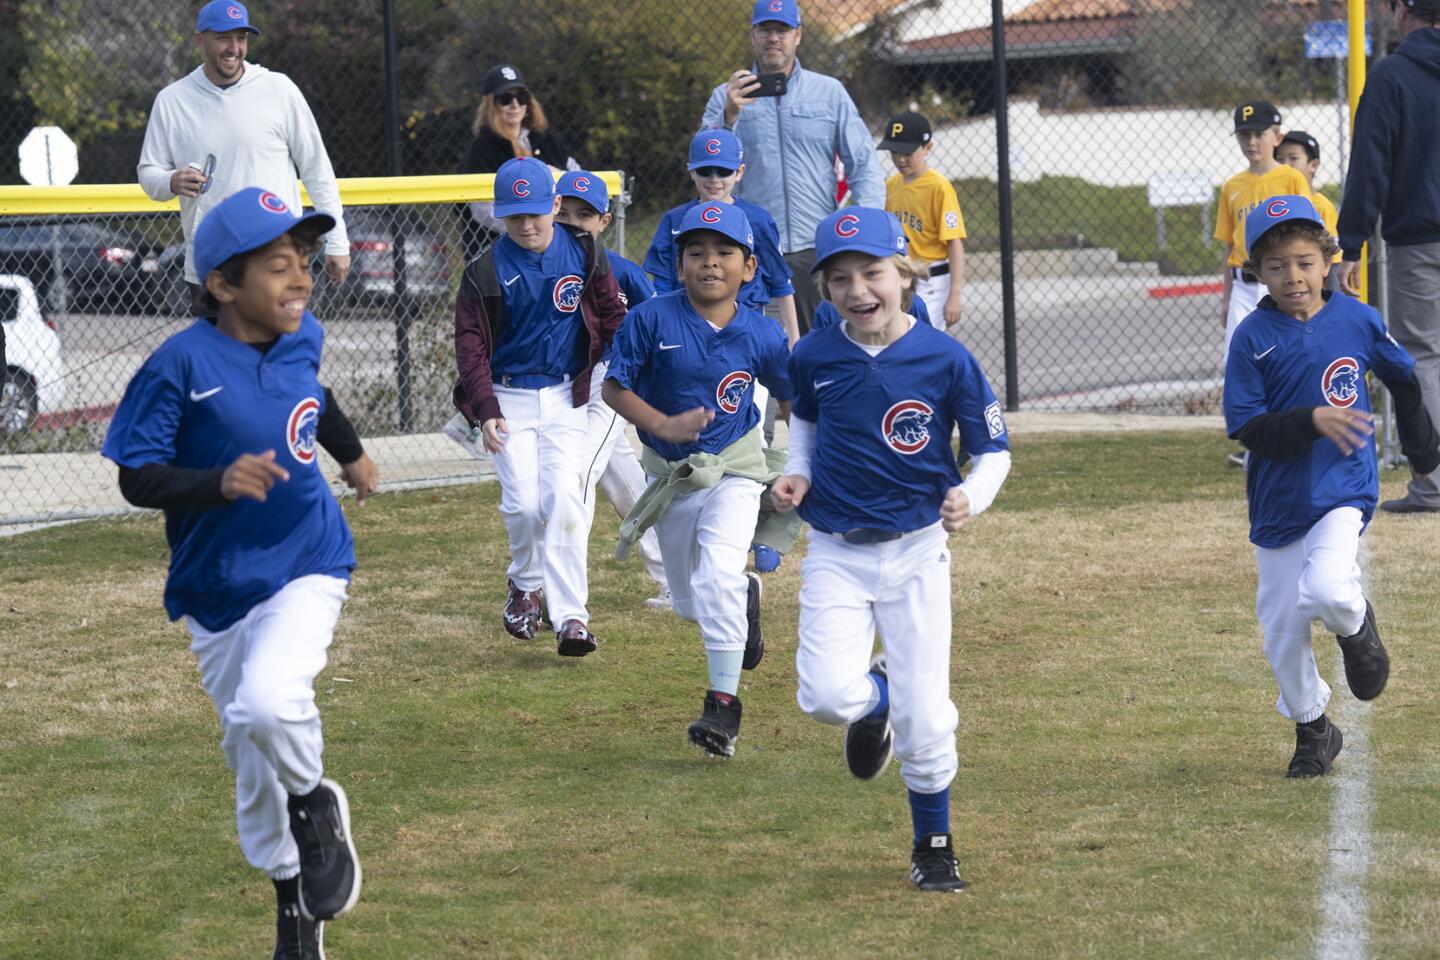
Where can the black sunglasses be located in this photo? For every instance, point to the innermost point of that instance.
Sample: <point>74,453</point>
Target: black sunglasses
<point>521,97</point>
<point>706,173</point>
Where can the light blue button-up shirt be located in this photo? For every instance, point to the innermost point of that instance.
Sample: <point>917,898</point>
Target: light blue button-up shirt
<point>790,147</point>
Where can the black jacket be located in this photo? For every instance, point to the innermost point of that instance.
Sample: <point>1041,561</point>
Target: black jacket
<point>489,150</point>
<point>1393,164</point>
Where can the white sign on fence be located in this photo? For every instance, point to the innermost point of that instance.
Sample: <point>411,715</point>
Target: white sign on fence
<point>48,158</point>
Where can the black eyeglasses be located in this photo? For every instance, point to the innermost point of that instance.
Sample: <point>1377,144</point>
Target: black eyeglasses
<point>521,97</point>
<point>706,173</point>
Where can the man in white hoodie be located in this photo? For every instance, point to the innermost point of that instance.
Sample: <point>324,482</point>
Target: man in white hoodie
<point>229,124</point>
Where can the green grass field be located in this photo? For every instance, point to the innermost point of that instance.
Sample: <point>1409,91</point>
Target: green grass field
<point>1120,791</point>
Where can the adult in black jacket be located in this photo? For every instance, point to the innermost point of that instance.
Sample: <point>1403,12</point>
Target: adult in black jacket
<point>1395,172</point>
<point>508,123</point>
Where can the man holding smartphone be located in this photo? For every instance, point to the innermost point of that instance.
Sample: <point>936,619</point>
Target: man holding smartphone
<point>231,124</point>
<point>793,124</point>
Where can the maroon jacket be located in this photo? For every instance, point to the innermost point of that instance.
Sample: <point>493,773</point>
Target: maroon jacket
<point>481,318</point>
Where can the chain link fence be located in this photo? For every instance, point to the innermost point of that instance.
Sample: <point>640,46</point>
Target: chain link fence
<point>1119,117</point>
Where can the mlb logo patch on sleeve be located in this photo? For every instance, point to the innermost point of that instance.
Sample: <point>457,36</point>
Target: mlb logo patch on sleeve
<point>994,420</point>
<point>952,220</point>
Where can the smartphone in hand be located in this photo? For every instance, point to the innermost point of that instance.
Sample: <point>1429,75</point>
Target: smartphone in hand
<point>771,85</point>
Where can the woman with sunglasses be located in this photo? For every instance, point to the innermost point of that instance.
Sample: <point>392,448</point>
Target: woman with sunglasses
<point>508,123</point>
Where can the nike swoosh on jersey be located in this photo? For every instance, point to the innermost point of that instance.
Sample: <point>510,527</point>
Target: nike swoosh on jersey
<point>1263,353</point>
<point>511,280</point>
<point>670,346</point>
<point>197,396</point>
<point>674,233</point>
<point>822,383</point>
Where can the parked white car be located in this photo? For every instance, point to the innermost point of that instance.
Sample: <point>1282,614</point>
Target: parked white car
<point>35,370</point>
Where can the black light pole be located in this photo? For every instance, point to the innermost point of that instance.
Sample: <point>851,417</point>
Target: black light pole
<point>400,301</point>
<point>1007,239</point>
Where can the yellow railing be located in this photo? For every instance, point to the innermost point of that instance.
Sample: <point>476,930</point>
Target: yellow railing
<point>354,192</point>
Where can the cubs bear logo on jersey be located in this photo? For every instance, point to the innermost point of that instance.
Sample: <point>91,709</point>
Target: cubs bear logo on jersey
<point>271,203</point>
<point>906,426</point>
<point>567,293</point>
<point>1341,382</point>
<point>847,226</point>
<point>300,430</point>
<point>730,394</point>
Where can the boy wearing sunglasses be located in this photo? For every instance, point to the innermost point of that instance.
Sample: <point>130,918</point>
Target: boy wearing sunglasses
<point>716,166</point>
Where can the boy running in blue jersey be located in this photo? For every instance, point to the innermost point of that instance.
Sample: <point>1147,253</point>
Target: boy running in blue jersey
<point>219,429</point>
<point>585,203</point>
<point>684,372</point>
<point>717,162</point>
<point>716,166</point>
<point>533,316</point>
<point>1296,397</point>
<point>870,468</point>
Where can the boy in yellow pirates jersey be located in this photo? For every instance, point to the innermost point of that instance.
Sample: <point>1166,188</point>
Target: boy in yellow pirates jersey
<point>925,203</point>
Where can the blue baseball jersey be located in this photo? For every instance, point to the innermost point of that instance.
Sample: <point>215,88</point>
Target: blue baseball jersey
<point>882,456</point>
<point>200,401</point>
<point>635,288</point>
<point>772,273</point>
<point>542,295</point>
<point>828,315</point>
<point>674,360</point>
<point>635,284</point>
<point>1278,363</point>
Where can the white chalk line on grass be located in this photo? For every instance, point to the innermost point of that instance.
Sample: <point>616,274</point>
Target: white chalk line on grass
<point>1344,907</point>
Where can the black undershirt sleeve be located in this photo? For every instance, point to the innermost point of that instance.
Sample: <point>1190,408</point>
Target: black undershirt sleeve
<point>1418,439</point>
<point>163,487</point>
<point>337,434</point>
<point>1279,436</point>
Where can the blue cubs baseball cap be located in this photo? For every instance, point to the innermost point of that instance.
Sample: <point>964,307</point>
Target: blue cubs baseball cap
<point>523,185</point>
<point>587,186</point>
<point>716,148</point>
<point>247,220</point>
<point>219,16</point>
<point>723,218</point>
<point>859,230</point>
<point>785,11</point>
<point>1275,211</point>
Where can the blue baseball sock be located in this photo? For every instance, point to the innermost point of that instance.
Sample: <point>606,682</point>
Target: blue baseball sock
<point>930,812</point>
<point>883,688</point>
<point>725,669</point>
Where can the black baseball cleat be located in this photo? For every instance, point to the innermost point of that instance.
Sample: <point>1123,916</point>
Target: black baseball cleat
<point>933,865</point>
<point>1315,753</point>
<point>329,868</point>
<point>754,636</point>
<point>522,612</point>
<point>719,725</point>
<point>575,640</point>
<point>1367,665</point>
<point>869,742</point>
<point>297,938</point>
<point>1406,505</point>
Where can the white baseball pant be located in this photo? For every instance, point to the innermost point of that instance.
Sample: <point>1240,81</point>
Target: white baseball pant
<point>903,588</point>
<point>1244,298</point>
<point>260,674</point>
<point>542,496</point>
<point>1314,578</point>
<point>704,539</point>
<point>621,478</point>
<point>934,291</point>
